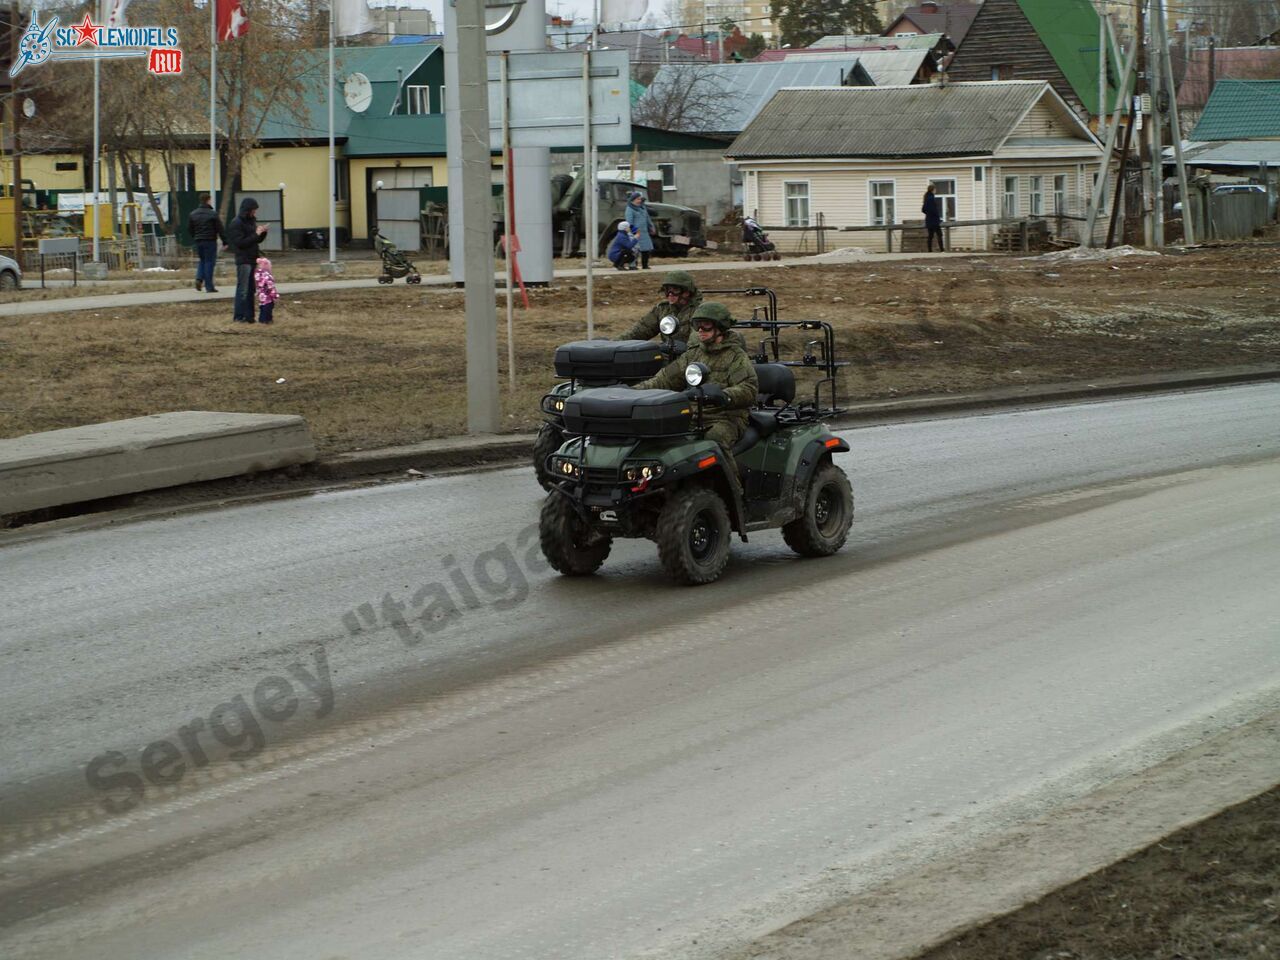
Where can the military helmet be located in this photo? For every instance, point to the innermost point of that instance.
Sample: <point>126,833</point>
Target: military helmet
<point>681,279</point>
<point>717,313</point>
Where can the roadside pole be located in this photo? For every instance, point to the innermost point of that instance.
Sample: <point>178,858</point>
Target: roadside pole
<point>1102,74</point>
<point>588,188</point>
<point>15,111</point>
<point>1155,61</point>
<point>1144,98</point>
<point>1188,226</point>
<point>508,218</point>
<point>1100,186</point>
<point>482,313</point>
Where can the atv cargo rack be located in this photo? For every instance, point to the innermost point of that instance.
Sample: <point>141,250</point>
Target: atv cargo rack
<point>819,354</point>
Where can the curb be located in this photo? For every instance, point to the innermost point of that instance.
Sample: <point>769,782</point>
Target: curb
<point>455,452</point>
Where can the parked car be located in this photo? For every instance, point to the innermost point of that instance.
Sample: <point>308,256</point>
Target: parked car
<point>10,274</point>
<point>1229,188</point>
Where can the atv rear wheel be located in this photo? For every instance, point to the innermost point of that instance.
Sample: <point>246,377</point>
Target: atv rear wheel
<point>546,443</point>
<point>569,545</point>
<point>828,513</point>
<point>693,535</point>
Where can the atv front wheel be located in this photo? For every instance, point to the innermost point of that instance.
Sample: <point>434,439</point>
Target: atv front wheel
<point>569,545</point>
<point>546,443</point>
<point>828,513</point>
<point>693,535</point>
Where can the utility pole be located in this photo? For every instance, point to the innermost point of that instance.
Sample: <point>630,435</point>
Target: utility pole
<point>1159,96</point>
<point>482,312</point>
<point>1102,71</point>
<point>15,109</point>
<point>1144,99</point>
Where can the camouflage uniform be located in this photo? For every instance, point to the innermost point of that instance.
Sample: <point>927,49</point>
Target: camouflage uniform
<point>731,369</point>
<point>646,328</point>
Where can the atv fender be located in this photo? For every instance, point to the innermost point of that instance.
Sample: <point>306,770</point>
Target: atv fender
<point>816,452</point>
<point>716,477</point>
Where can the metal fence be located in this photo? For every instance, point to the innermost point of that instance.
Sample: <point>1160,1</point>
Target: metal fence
<point>128,253</point>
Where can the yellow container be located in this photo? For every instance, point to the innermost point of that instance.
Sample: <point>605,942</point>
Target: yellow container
<point>6,223</point>
<point>106,228</point>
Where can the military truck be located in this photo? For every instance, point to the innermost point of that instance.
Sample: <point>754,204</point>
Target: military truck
<point>679,228</point>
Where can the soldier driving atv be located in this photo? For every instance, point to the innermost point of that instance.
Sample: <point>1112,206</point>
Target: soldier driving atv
<point>731,385</point>
<point>681,298</point>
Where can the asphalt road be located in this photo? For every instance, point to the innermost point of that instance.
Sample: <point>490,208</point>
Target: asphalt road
<point>1032,604</point>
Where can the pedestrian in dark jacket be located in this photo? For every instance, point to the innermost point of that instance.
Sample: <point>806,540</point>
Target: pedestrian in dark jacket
<point>206,230</point>
<point>932,211</point>
<point>243,236</point>
<point>620,252</point>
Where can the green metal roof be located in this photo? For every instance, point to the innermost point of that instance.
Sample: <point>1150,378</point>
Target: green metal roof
<point>1240,110</point>
<point>400,136</point>
<point>1069,29</point>
<point>378,63</point>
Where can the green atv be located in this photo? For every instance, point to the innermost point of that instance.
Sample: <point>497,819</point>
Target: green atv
<point>587,364</point>
<point>637,465</point>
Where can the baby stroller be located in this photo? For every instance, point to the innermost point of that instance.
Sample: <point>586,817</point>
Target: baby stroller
<point>394,263</point>
<point>757,243</point>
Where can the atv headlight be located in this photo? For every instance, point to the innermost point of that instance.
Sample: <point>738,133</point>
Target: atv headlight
<point>552,404</point>
<point>667,325</point>
<point>695,373</point>
<point>565,468</point>
<point>637,470</point>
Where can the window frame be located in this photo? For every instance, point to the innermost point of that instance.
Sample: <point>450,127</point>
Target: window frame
<point>1059,194</point>
<point>182,177</point>
<point>875,203</point>
<point>1035,195</point>
<point>950,201</point>
<point>665,167</point>
<point>421,92</point>
<point>1009,211</point>
<point>808,203</point>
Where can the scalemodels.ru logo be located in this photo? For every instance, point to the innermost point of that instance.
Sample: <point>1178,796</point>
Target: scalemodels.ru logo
<point>88,41</point>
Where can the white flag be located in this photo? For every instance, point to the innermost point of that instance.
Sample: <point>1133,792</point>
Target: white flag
<point>351,17</point>
<point>622,11</point>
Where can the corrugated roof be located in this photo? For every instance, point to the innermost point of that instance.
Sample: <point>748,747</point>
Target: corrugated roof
<point>887,68</point>
<point>1241,110</point>
<point>852,41</point>
<point>746,87</point>
<point>1229,153</point>
<point>925,120</point>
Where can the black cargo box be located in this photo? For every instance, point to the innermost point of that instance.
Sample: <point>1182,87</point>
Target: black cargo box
<point>621,412</point>
<point>606,361</point>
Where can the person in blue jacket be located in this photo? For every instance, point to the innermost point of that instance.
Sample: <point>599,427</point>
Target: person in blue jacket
<point>641,225</point>
<point>622,250</point>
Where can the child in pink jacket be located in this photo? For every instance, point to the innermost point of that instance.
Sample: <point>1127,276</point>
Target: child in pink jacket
<point>267,294</point>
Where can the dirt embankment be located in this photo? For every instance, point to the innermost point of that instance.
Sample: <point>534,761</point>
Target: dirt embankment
<point>385,365</point>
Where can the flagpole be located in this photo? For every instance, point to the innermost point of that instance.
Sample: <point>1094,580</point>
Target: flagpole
<point>333,160</point>
<point>97,145</point>
<point>213,83</point>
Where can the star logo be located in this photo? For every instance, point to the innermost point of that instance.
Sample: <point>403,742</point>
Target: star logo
<point>87,32</point>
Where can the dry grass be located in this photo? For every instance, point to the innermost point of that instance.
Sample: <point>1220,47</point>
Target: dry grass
<point>385,365</point>
<point>1209,892</point>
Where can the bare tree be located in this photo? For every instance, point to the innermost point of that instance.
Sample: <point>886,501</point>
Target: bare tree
<point>686,97</point>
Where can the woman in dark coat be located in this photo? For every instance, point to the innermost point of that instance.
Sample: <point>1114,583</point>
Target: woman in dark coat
<point>641,225</point>
<point>932,211</point>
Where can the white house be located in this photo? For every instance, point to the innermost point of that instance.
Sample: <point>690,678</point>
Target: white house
<point>864,156</point>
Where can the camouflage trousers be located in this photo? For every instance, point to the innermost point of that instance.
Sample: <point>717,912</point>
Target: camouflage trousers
<point>727,434</point>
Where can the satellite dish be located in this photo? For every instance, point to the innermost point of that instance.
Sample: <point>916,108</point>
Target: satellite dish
<point>358,92</point>
<point>28,108</point>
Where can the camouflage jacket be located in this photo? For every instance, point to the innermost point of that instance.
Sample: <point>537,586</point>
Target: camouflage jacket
<point>646,328</point>
<point>730,368</point>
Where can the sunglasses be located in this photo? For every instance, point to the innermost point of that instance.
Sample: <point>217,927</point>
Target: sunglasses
<point>672,291</point>
<point>704,327</point>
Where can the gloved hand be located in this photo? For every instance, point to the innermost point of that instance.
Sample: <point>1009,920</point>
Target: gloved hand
<point>712,394</point>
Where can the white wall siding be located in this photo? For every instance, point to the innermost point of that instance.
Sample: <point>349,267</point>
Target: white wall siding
<point>1043,121</point>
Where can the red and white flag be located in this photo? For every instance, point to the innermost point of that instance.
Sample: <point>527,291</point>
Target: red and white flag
<point>232,21</point>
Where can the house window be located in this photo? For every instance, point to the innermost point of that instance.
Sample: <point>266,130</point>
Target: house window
<point>1060,193</point>
<point>419,99</point>
<point>945,191</point>
<point>341,181</point>
<point>977,174</point>
<point>1010,197</point>
<point>796,197</point>
<point>1037,196</point>
<point>137,176</point>
<point>441,101</point>
<point>668,171</point>
<point>1002,71</point>
<point>66,165</point>
<point>183,176</point>
<point>883,205</point>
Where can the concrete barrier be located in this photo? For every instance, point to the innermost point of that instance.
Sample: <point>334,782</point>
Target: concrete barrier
<point>145,453</point>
